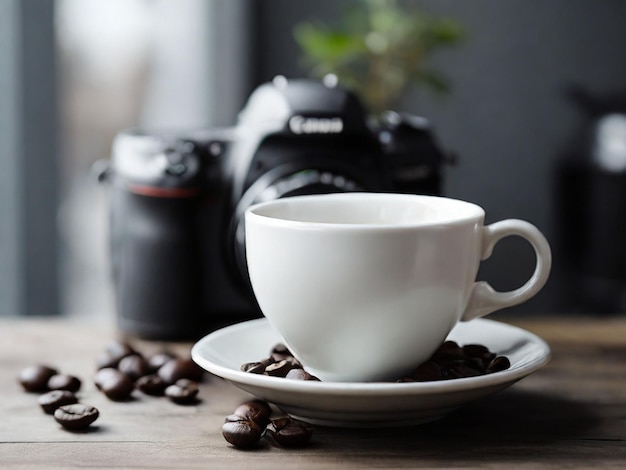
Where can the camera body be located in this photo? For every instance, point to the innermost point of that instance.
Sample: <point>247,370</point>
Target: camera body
<point>178,199</point>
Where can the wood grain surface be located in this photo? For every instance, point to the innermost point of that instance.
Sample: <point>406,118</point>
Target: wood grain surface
<point>571,413</point>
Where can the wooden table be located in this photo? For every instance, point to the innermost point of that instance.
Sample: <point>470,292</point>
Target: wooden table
<point>572,413</point>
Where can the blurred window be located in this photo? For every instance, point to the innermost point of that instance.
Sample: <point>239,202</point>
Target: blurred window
<point>73,73</point>
<point>28,159</point>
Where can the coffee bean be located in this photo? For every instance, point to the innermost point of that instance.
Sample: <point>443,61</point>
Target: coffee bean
<point>471,360</point>
<point>280,348</point>
<point>241,432</point>
<point>257,367</point>
<point>104,375</point>
<point>176,369</point>
<point>114,353</point>
<point>50,401</point>
<point>64,382</point>
<point>300,374</point>
<point>35,378</point>
<point>464,370</point>
<point>289,432</point>
<point>449,350</point>
<point>427,372</point>
<point>254,367</point>
<point>476,350</point>
<point>76,416</point>
<point>134,366</point>
<point>280,352</point>
<point>114,384</point>
<point>255,410</point>
<point>151,385</point>
<point>499,364</point>
<point>449,361</point>
<point>183,392</point>
<point>119,349</point>
<point>106,360</point>
<point>478,364</point>
<point>280,369</point>
<point>156,361</point>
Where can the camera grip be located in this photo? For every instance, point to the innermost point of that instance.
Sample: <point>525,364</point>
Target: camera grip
<point>484,299</point>
<point>156,265</point>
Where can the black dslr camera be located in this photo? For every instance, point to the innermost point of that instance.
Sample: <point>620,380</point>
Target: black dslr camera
<point>178,199</point>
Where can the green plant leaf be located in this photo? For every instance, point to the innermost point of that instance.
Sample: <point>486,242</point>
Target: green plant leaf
<point>379,49</point>
<point>326,45</point>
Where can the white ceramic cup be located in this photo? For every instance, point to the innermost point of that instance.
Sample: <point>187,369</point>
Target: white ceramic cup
<point>366,286</point>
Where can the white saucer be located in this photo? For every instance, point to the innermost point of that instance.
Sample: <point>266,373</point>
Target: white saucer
<point>368,404</point>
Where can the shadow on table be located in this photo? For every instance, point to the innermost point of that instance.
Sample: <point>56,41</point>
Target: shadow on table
<point>512,425</point>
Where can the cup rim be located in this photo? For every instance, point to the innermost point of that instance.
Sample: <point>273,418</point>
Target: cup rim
<point>471,212</point>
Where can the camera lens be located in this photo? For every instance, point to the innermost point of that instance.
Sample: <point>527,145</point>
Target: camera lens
<point>306,182</point>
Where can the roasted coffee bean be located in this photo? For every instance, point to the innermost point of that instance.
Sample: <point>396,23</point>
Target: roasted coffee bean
<point>35,378</point>
<point>156,361</point>
<point>448,351</point>
<point>276,368</point>
<point>479,356</point>
<point>114,384</point>
<point>478,364</point>
<point>280,352</point>
<point>134,366</point>
<point>183,392</point>
<point>119,388</point>
<point>151,385</point>
<point>106,360</point>
<point>114,353</point>
<point>280,368</point>
<point>176,369</point>
<point>257,367</point>
<point>119,349</point>
<point>50,401</point>
<point>254,367</point>
<point>463,370</point>
<point>449,361</point>
<point>450,348</point>
<point>64,382</point>
<point>241,432</point>
<point>469,360</point>
<point>76,416</point>
<point>300,374</point>
<point>289,432</point>
<point>104,375</point>
<point>255,410</point>
<point>280,348</point>
<point>477,350</point>
<point>498,364</point>
<point>427,372</point>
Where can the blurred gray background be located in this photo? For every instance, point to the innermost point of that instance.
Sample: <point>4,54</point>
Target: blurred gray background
<point>74,72</point>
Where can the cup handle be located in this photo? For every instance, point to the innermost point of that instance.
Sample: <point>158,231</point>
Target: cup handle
<point>484,299</point>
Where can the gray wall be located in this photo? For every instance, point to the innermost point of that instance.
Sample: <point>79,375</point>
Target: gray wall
<point>507,117</point>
